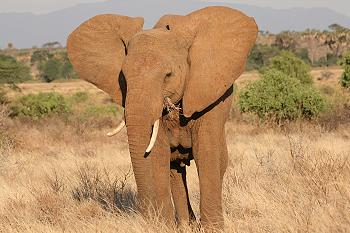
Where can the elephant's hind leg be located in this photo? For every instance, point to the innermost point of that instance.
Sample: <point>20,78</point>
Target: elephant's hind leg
<point>184,212</point>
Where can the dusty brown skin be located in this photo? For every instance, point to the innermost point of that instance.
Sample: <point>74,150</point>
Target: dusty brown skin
<point>188,61</point>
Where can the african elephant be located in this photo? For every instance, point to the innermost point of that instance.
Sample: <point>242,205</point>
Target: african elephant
<point>175,82</point>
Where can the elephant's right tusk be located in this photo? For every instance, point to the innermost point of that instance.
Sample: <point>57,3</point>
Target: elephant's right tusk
<point>116,130</point>
<point>154,136</point>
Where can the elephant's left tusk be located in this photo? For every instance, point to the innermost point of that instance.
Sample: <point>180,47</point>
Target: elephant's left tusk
<point>153,137</point>
<point>116,130</point>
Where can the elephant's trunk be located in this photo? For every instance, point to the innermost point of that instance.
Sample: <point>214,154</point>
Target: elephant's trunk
<point>138,137</point>
<point>152,171</point>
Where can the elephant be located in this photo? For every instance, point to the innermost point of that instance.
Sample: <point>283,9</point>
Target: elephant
<point>175,82</point>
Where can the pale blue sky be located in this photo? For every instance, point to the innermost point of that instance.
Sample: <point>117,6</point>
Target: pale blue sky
<point>44,6</point>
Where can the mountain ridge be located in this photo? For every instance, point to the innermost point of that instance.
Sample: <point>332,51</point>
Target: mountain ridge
<point>29,29</point>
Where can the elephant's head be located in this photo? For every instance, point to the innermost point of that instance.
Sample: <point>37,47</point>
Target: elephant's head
<point>193,59</point>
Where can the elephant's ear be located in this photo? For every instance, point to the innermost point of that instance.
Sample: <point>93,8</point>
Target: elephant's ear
<point>97,49</point>
<point>217,55</point>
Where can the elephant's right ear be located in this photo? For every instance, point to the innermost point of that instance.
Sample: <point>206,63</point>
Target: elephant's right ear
<point>97,49</point>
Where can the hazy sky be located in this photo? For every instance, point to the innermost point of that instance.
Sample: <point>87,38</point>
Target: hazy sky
<point>43,6</point>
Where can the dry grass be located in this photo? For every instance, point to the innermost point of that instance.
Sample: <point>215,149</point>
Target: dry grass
<point>65,175</point>
<point>61,178</point>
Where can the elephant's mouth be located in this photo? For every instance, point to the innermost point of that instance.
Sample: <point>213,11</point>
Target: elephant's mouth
<point>168,106</point>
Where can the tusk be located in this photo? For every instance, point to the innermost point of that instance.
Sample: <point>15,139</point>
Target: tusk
<point>116,130</point>
<point>153,137</point>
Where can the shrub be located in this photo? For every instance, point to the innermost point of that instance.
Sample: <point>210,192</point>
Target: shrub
<point>50,70</point>
<point>79,97</point>
<point>12,71</point>
<point>289,64</point>
<point>281,97</point>
<point>56,68</point>
<point>40,105</point>
<point>111,191</point>
<point>345,78</point>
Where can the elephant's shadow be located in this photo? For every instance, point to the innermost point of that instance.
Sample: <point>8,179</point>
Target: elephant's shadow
<point>125,201</point>
<point>114,194</point>
<point>118,200</point>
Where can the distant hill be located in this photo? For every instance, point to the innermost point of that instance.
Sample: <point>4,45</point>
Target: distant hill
<point>25,30</point>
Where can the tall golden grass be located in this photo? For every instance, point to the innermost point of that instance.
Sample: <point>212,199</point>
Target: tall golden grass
<point>60,176</point>
<point>65,175</point>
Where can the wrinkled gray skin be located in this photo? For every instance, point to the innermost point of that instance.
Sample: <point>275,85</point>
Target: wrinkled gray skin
<point>192,60</point>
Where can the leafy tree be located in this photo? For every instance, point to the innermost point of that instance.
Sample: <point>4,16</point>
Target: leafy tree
<point>260,55</point>
<point>67,67</point>
<point>40,56</point>
<point>13,71</point>
<point>56,68</point>
<point>345,78</point>
<point>51,70</point>
<point>281,97</point>
<point>291,65</point>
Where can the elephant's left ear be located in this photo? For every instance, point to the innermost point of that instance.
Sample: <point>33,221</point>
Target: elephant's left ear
<point>217,55</point>
<point>97,49</point>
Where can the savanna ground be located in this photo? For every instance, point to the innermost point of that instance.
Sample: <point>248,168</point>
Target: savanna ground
<point>64,175</point>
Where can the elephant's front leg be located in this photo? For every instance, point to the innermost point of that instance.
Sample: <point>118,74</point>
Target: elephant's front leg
<point>210,154</point>
<point>184,212</point>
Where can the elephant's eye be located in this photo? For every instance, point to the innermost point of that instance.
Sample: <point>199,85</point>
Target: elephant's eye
<point>168,27</point>
<point>168,74</point>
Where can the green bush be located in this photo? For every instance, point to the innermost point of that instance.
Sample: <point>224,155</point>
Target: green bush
<point>50,70</point>
<point>289,64</point>
<point>345,78</point>
<point>40,105</point>
<point>281,97</point>
<point>56,68</point>
<point>12,71</point>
